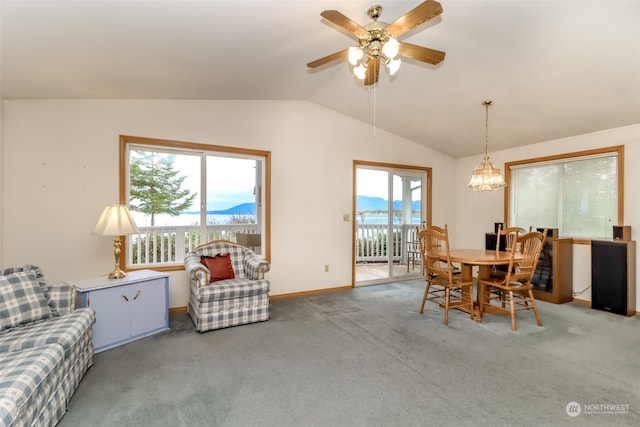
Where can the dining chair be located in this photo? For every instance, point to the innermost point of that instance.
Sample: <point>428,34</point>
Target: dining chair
<point>443,286</point>
<point>513,292</point>
<point>510,235</point>
<point>413,249</point>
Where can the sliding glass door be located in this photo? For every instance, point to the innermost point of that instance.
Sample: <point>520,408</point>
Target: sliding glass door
<point>389,206</point>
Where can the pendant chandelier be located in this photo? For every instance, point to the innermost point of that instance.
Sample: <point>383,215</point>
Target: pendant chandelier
<point>486,176</point>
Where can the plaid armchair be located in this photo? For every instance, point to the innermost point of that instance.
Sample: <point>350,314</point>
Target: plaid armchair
<point>226,302</point>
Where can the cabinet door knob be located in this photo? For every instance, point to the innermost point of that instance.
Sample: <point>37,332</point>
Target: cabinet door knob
<point>137,295</point>
<point>125,297</point>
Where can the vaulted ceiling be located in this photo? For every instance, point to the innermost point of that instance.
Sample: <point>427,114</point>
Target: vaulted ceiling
<point>552,68</point>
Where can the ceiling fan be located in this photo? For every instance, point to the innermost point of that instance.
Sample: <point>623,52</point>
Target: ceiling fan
<point>378,41</point>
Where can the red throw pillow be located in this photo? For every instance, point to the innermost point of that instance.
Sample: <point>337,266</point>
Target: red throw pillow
<point>219,266</point>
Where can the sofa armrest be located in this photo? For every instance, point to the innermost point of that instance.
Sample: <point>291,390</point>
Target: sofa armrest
<point>255,267</point>
<point>196,270</point>
<point>64,296</point>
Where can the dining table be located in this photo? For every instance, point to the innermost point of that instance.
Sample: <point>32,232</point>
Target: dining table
<point>484,259</point>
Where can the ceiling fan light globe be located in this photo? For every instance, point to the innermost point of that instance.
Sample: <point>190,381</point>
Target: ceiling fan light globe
<point>394,66</point>
<point>355,54</point>
<point>360,71</point>
<point>390,48</point>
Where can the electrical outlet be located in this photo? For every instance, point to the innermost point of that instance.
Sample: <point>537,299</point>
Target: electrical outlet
<point>326,268</point>
<point>345,217</point>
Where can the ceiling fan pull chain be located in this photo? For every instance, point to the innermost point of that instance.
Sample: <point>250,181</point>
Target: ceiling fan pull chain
<point>374,111</point>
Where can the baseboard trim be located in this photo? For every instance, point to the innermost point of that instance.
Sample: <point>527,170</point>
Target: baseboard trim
<point>582,301</point>
<point>586,302</point>
<point>177,309</point>
<point>316,291</point>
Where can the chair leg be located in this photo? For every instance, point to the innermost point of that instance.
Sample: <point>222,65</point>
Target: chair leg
<point>512,309</point>
<point>446,306</point>
<point>424,298</point>
<point>471,308</point>
<point>535,307</point>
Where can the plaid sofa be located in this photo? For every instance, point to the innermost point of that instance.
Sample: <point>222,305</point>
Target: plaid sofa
<point>42,361</point>
<point>230,302</point>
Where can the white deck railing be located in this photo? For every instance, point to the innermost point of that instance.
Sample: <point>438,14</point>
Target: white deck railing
<point>372,245</point>
<point>168,245</point>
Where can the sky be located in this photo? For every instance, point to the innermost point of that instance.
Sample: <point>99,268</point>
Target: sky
<point>373,183</point>
<point>231,180</point>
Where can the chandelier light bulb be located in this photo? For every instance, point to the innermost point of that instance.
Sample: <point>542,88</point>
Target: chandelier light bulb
<point>390,48</point>
<point>360,71</point>
<point>355,54</point>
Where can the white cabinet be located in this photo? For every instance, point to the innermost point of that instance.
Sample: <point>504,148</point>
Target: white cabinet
<point>127,309</point>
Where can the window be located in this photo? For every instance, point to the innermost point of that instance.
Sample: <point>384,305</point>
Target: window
<point>580,194</point>
<point>182,195</point>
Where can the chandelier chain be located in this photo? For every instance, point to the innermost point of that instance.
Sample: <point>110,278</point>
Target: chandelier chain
<point>486,176</point>
<point>486,128</point>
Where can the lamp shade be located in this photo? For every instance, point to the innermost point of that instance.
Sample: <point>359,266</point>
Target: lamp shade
<point>360,71</point>
<point>355,54</point>
<point>486,177</point>
<point>394,66</point>
<point>115,220</point>
<point>390,48</point>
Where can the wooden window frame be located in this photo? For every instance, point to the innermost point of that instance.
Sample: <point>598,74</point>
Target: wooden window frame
<point>617,149</point>
<point>125,140</point>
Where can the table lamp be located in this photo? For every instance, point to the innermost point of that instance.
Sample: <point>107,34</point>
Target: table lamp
<point>116,220</point>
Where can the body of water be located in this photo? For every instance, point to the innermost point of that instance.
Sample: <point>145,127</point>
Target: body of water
<point>194,219</point>
<point>383,219</point>
<point>180,220</point>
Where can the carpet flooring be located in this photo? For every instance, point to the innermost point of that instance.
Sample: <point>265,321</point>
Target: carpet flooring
<point>366,357</point>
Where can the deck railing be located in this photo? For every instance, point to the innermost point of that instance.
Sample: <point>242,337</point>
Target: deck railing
<point>372,244</point>
<point>168,245</point>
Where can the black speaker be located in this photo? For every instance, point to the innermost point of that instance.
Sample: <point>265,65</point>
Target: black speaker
<point>622,232</point>
<point>609,277</point>
<point>551,232</point>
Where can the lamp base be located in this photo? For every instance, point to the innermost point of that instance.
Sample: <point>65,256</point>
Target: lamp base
<point>117,274</point>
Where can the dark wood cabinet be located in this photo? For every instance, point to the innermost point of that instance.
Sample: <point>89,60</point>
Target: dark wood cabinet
<point>553,278</point>
<point>613,276</point>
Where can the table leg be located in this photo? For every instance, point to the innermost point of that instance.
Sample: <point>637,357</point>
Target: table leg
<point>466,275</point>
<point>484,272</point>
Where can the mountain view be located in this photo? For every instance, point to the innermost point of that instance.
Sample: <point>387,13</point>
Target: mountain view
<point>363,203</point>
<point>241,209</point>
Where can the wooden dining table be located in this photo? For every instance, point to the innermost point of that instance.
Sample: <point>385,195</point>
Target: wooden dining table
<point>483,259</point>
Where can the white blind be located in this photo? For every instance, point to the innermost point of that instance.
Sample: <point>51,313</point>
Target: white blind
<point>578,196</point>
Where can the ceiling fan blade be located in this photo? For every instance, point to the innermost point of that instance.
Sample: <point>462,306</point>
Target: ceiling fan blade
<point>424,54</point>
<point>373,71</point>
<point>421,13</point>
<point>328,58</point>
<point>342,21</point>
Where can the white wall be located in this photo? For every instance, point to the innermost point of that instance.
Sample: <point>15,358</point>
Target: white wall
<point>477,212</point>
<point>60,168</point>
